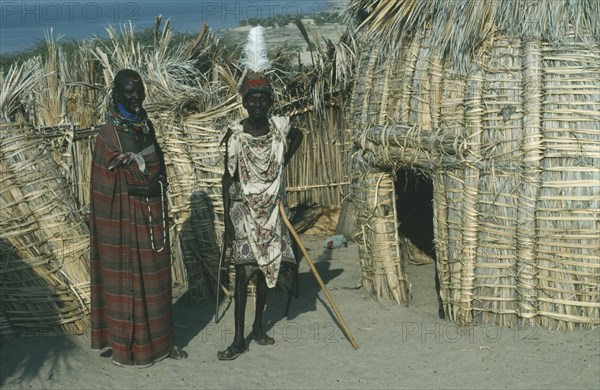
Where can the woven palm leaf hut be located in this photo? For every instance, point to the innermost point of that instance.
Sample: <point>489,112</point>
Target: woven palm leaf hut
<point>497,104</point>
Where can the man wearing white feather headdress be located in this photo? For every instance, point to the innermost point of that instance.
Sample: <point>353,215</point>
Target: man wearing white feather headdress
<point>257,150</point>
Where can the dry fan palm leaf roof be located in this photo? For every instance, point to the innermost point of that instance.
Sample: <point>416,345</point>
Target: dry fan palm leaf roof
<point>458,27</point>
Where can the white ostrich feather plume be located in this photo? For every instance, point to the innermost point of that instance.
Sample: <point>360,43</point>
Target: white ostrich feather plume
<point>255,51</point>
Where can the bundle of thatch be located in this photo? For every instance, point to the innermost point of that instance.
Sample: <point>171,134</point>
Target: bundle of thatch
<point>46,240</point>
<point>498,103</point>
<point>379,250</point>
<point>53,107</point>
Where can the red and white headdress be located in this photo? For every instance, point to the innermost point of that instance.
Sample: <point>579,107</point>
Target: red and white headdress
<point>257,63</point>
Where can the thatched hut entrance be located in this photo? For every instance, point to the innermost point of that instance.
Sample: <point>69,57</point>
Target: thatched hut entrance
<point>395,217</point>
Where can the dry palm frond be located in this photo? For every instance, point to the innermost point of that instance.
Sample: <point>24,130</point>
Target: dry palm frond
<point>17,82</point>
<point>459,27</point>
<point>346,53</point>
<point>50,101</point>
<point>173,81</point>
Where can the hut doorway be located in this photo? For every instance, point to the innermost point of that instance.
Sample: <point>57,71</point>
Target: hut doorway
<point>414,212</point>
<point>414,206</point>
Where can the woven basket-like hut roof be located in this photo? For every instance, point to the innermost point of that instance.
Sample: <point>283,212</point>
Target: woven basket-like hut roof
<point>459,27</point>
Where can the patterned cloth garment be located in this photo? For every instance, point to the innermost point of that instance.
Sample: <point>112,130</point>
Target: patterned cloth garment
<point>261,237</point>
<point>130,280</point>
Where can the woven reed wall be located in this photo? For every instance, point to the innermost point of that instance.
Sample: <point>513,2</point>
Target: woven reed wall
<point>45,251</point>
<point>320,171</point>
<point>513,150</point>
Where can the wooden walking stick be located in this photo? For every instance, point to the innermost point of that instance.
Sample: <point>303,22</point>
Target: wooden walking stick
<point>338,316</point>
<point>219,285</point>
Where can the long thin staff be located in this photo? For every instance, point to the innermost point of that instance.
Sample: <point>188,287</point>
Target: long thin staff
<point>219,286</point>
<point>338,316</point>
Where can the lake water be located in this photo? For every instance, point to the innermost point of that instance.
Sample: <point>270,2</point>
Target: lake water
<point>23,23</point>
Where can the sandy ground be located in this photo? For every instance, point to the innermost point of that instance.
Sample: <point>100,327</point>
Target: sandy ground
<point>399,347</point>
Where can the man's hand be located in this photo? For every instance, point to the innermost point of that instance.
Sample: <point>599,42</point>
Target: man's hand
<point>294,137</point>
<point>122,159</point>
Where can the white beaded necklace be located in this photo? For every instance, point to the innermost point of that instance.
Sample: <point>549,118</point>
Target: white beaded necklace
<point>164,220</point>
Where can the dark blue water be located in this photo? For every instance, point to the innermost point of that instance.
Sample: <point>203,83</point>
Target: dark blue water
<point>23,23</point>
